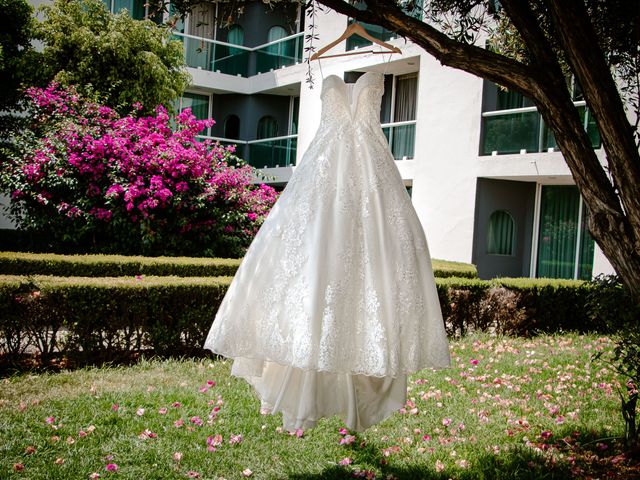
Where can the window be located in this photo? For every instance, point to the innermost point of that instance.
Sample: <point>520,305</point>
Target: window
<point>295,113</point>
<point>399,104</point>
<point>276,33</point>
<point>267,127</point>
<point>199,105</point>
<point>511,123</point>
<point>565,247</point>
<point>232,127</point>
<point>501,234</point>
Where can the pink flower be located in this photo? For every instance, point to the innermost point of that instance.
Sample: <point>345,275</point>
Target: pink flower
<point>446,422</point>
<point>213,442</point>
<point>177,456</point>
<point>343,431</point>
<point>196,420</point>
<point>235,439</point>
<point>162,411</point>
<point>94,475</point>
<point>247,472</point>
<point>473,361</point>
<point>147,434</point>
<point>178,423</point>
<point>345,461</point>
<point>192,474</point>
<point>347,440</point>
<point>176,404</point>
<point>439,466</point>
<point>49,420</point>
<point>299,433</point>
<point>111,467</point>
<point>211,383</point>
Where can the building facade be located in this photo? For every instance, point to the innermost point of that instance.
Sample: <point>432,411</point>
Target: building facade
<point>485,175</point>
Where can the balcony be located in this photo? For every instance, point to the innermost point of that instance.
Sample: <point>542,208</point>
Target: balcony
<point>281,151</point>
<point>402,138</point>
<point>273,152</point>
<point>522,129</point>
<point>238,60</point>
<point>264,153</point>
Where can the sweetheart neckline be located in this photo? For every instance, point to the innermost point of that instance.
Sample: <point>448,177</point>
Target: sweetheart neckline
<point>346,84</point>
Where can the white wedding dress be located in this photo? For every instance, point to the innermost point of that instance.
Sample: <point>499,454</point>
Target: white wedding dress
<point>334,302</point>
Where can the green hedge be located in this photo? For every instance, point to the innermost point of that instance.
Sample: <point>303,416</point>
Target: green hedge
<point>516,306</point>
<point>446,268</point>
<point>15,263</point>
<point>93,318</point>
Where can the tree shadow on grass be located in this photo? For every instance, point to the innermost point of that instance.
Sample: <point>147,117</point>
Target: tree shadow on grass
<point>583,456</point>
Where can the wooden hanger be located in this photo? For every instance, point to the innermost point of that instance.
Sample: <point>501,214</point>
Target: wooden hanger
<point>355,29</point>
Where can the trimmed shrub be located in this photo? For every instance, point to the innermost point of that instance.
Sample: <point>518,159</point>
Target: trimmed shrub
<point>446,268</point>
<point>98,319</point>
<point>551,305</point>
<point>90,319</point>
<point>18,263</point>
<point>12,263</point>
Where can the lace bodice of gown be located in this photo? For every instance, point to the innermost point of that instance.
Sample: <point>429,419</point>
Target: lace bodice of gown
<point>351,104</point>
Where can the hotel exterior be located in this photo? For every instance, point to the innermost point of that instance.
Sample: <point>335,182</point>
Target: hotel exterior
<point>484,172</point>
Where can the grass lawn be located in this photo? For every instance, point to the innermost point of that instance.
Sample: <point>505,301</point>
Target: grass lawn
<point>507,408</point>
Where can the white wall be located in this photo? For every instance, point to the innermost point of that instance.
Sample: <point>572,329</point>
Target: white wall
<point>447,139</point>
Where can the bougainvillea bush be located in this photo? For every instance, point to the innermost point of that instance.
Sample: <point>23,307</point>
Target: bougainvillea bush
<point>88,177</point>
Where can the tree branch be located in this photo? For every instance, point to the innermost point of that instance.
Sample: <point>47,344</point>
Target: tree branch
<point>470,58</point>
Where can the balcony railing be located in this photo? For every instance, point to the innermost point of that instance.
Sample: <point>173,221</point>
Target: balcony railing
<point>223,57</point>
<point>522,129</point>
<point>273,152</point>
<point>402,138</point>
<point>264,153</point>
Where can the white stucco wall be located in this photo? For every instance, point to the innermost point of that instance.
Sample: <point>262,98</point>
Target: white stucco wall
<point>447,136</point>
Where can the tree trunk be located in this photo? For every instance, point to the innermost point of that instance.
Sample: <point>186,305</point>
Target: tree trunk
<point>613,228</point>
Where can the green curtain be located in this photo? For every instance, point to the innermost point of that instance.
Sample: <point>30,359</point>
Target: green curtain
<point>199,105</point>
<point>587,247</point>
<point>501,234</point>
<point>267,127</point>
<point>235,37</point>
<point>276,33</point>
<point>558,231</point>
<point>135,8</point>
<point>508,99</point>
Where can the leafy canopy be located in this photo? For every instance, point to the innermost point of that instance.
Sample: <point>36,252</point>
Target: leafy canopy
<point>114,58</point>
